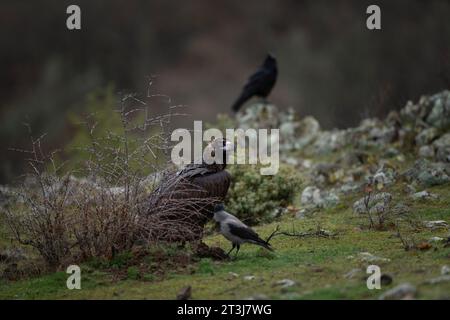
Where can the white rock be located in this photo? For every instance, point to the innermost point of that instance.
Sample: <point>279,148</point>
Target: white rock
<point>436,239</point>
<point>445,270</point>
<point>368,257</point>
<point>285,283</point>
<point>436,224</point>
<point>403,291</point>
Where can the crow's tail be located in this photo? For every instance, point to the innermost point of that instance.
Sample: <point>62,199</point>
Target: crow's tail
<point>240,101</point>
<point>264,244</point>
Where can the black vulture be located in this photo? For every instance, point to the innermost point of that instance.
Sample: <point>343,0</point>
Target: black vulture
<point>187,197</point>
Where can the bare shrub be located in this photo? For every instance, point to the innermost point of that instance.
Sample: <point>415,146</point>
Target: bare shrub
<point>109,203</point>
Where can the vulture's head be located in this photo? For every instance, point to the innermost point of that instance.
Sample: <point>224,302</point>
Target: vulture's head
<point>218,151</point>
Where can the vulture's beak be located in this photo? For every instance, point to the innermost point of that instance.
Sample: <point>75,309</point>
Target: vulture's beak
<point>228,146</point>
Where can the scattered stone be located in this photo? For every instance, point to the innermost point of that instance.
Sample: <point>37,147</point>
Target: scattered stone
<point>349,188</point>
<point>233,275</point>
<point>442,146</point>
<point>425,137</point>
<point>439,116</point>
<point>445,270</point>
<point>329,141</point>
<point>403,291</point>
<point>436,239</point>
<point>426,152</point>
<point>249,278</point>
<point>297,135</point>
<point>285,283</point>
<point>384,176</point>
<point>321,199</point>
<point>352,273</point>
<point>424,195</point>
<point>436,224</point>
<point>427,173</point>
<point>368,257</point>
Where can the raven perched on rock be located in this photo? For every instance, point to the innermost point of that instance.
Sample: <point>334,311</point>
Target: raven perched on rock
<point>260,83</point>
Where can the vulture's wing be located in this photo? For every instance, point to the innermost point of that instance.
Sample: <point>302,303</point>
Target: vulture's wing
<point>194,170</point>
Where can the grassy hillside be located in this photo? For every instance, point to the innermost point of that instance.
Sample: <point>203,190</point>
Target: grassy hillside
<point>317,265</point>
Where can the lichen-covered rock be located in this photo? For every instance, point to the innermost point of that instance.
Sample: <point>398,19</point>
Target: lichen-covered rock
<point>427,152</point>
<point>299,134</point>
<point>439,116</point>
<point>319,198</point>
<point>259,115</point>
<point>375,203</point>
<point>442,146</point>
<point>424,195</point>
<point>384,176</point>
<point>329,141</point>
<point>426,136</point>
<point>428,173</point>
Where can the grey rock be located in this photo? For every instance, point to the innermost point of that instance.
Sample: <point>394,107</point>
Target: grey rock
<point>403,291</point>
<point>285,283</point>
<point>353,273</point>
<point>427,152</point>
<point>436,239</point>
<point>322,199</point>
<point>439,116</point>
<point>426,136</point>
<point>368,257</point>
<point>445,270</point>
<point>442,146</point>
<point>428,173</point>
<point>424,195</point>
<point>437,224</point>
<point>401,209</point>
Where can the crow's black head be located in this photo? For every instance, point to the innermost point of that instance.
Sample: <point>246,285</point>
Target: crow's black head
<point>219,207</point>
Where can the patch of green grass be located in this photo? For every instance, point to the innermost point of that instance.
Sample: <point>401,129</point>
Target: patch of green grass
<point>316,264</point>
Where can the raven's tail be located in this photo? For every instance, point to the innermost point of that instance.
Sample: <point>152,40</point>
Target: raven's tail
<point>240,101</point>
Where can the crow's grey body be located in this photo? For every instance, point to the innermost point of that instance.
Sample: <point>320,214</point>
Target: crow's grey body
<point>236,231</point>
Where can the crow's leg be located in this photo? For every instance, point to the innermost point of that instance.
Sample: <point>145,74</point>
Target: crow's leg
<point>234,246</point>
<point>238,247</point>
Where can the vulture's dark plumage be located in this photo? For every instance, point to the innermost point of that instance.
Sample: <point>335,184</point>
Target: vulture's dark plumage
<point>193,192</point>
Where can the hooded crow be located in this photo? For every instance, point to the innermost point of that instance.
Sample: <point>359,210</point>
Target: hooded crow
<point>236,231</point>
<point>260,83</point>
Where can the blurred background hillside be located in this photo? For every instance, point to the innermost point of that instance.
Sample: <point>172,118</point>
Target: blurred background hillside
<point>201,52</point>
